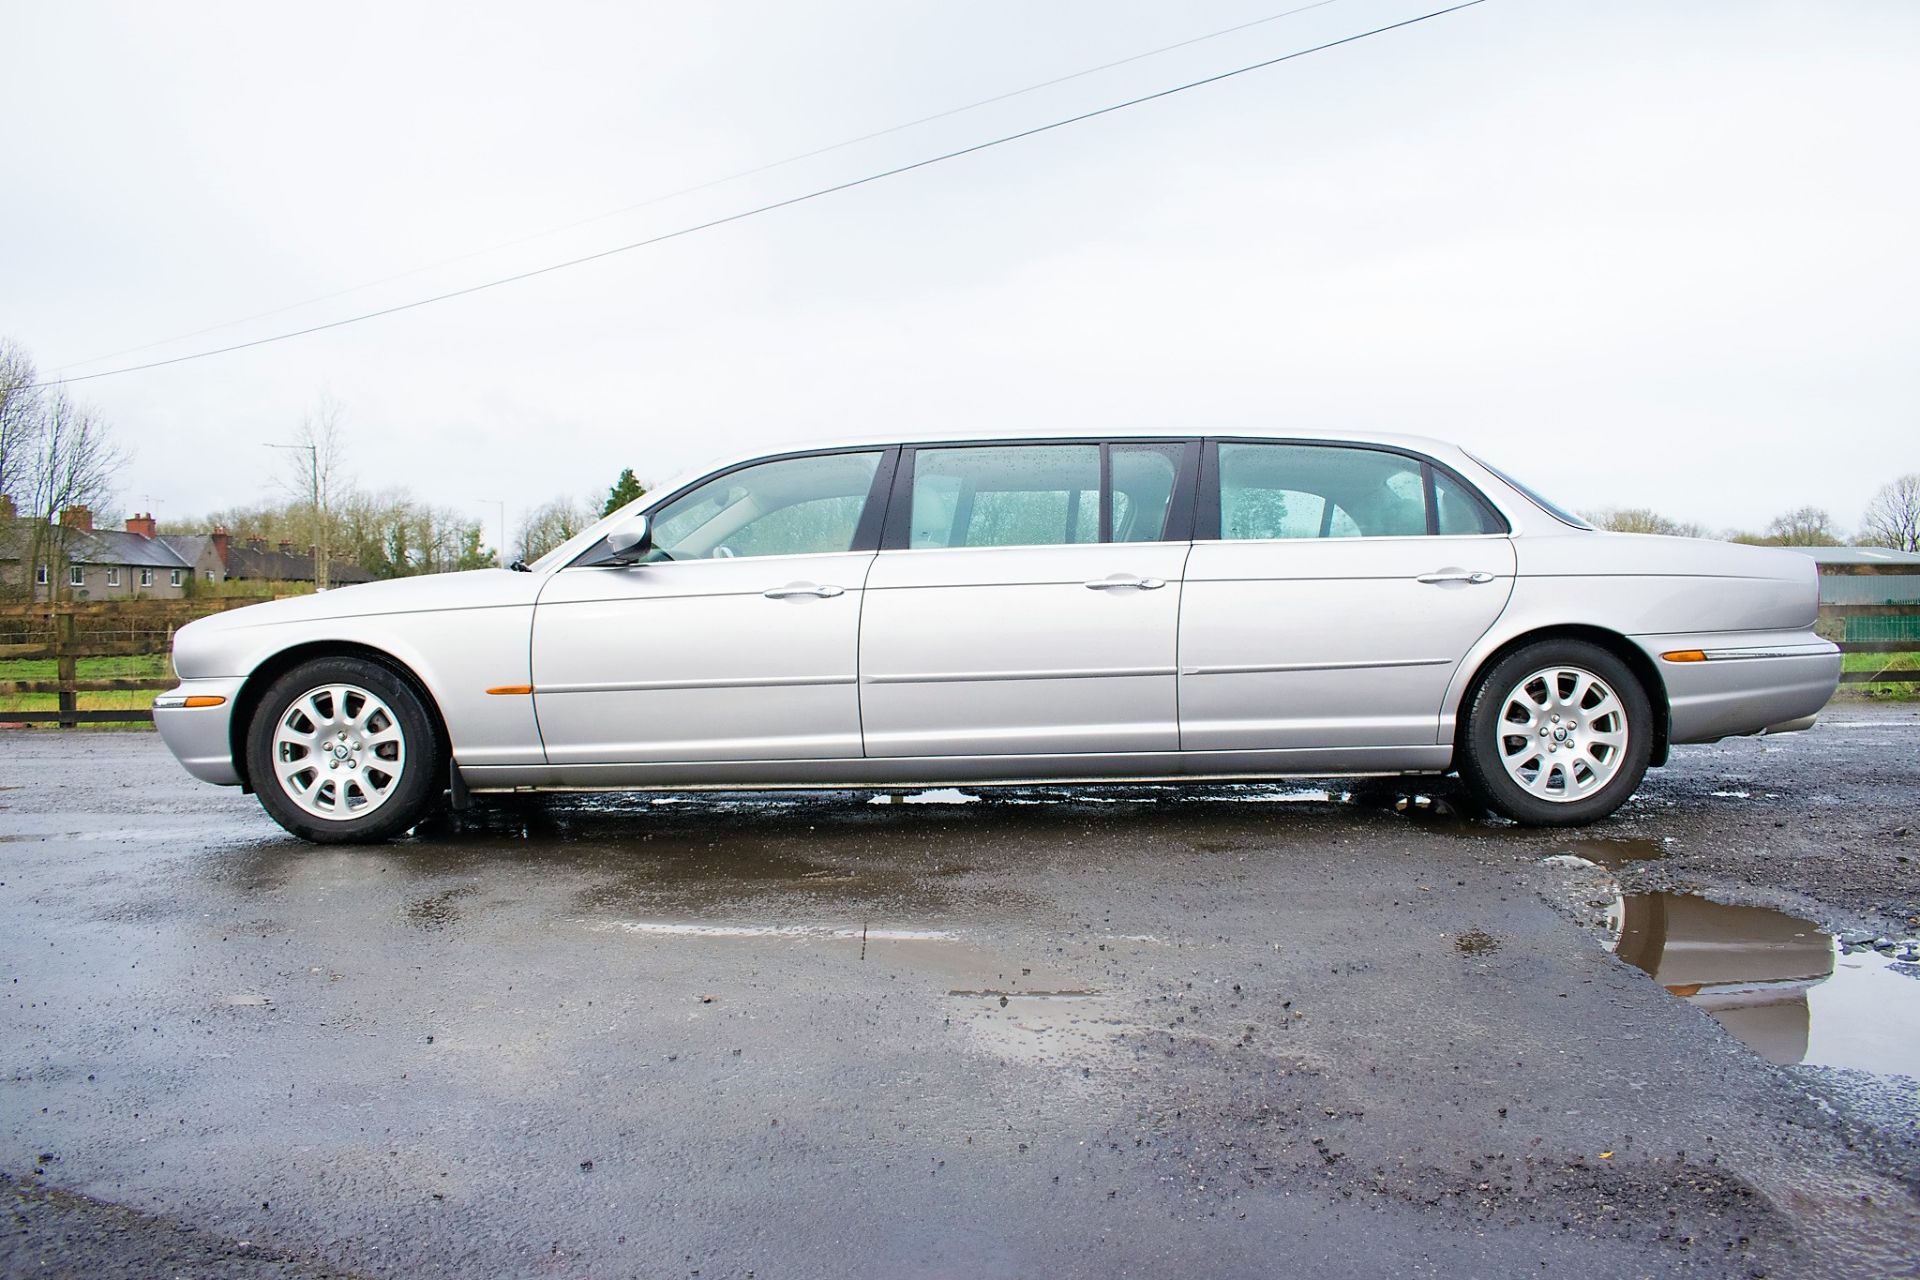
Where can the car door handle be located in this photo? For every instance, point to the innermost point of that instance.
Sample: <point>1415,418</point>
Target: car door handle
<point>826,592</point>
<point>1121,580</point>
<point>1477,577</point>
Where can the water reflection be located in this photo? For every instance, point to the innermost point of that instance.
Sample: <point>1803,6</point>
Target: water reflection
<point>1776,982</point>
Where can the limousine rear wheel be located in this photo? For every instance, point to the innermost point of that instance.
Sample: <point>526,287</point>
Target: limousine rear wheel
<point>1559,734</point>
<point>340,750</point>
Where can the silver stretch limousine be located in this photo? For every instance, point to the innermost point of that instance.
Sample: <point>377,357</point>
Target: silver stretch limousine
<point>993,611</point>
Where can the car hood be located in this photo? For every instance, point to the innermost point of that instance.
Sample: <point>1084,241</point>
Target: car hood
<point>474,589</point>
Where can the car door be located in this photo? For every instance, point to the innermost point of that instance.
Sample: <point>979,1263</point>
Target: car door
<point>734,638</point>
<point>1027,600</point>
<point>1332,592</point>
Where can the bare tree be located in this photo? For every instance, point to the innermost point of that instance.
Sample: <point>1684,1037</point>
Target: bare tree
<point>1803,527</point>
<point>71,464</point>
<point>19,415</point>
<point>314,472</point>
<point>1893,517</point>
<point>546,527</point>
<point>1643,520</point>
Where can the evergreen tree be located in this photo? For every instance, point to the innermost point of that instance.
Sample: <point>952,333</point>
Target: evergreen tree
<point>624,490</point>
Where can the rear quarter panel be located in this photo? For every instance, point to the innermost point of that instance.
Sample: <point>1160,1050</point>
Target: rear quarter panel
<point>1645,587</point>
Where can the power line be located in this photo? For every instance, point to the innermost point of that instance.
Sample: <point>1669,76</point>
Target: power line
<point>705,186</point>
<point>767,208</point>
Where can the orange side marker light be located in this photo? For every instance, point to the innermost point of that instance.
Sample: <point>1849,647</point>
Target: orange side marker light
<point>1684,655</point>
<point>511,688</point>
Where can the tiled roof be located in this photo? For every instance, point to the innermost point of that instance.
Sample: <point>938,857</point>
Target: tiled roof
<point>258,564</point>
<point>117,546</point>
<point>99,547</point>
<point>187,546</point>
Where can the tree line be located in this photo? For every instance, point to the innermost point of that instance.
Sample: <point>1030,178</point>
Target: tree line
<point>1892,519</point>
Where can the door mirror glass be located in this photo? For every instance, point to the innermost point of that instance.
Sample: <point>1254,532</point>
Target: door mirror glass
<point>630,539</point>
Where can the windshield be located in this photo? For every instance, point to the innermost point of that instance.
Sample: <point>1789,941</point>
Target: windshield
<point>1532,495</point>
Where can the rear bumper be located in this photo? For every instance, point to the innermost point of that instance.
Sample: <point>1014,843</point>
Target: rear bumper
<point>1747,682</point>
<point>200,737</point>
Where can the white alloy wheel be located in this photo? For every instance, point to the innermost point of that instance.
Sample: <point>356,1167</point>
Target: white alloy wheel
<point>1562,734</point>
<point>339,752</point>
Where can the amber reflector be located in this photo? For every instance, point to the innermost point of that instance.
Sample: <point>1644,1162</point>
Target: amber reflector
<point>511,688</point>
<point>204,700</point>
<point>1685,655</point>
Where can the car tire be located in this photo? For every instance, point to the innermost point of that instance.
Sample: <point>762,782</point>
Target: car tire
<point>343,751</point>
<point>1557,734</point>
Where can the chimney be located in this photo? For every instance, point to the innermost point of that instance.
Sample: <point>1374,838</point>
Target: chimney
<point>256,543</point>
<point>6,507</point>
<point>77,518</point>
<point>144,525</point>
<point>219,537</point>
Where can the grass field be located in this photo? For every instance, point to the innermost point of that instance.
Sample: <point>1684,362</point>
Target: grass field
<point>1895,691</point>
<point>153,666</point>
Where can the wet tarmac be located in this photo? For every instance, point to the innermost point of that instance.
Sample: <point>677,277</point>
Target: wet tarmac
<point>1144,1031</point>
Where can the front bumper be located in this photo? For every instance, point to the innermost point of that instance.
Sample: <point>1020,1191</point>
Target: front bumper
<point>200,737</point>
<point>1746,682</point>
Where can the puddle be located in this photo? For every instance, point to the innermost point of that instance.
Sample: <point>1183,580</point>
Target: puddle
<point>1790,992</point>
<point>1611,852</point>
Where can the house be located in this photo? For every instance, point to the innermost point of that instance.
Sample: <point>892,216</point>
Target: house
<point>97,564</point>
<point>139,562</point>
<point>255,561</point>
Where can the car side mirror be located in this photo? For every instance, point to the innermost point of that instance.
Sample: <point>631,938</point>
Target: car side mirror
<point>630,540</point>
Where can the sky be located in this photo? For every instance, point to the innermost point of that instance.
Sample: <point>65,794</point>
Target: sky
<point>1640,253</point>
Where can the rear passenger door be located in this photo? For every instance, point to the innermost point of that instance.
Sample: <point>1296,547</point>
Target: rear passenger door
<point>1026,601</point>
<point>1332,592</point>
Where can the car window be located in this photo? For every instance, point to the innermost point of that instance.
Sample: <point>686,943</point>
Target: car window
<point>1534,496</point>
<point>1005,496</point>
<point>792,506</point>
<point>1319,491</point>
<point>1141,477</point>
<point>1460,511</point>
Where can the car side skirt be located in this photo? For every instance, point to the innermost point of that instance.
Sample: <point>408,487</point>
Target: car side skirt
<point>913,771</point>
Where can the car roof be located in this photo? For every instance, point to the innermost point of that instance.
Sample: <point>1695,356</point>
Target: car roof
<point>951,436</point>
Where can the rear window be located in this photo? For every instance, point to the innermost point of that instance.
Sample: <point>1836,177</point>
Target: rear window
<point>1532,495</point>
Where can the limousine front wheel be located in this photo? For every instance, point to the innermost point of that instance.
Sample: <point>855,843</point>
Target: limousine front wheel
<point>340,750</point>
<point>1559,734</point>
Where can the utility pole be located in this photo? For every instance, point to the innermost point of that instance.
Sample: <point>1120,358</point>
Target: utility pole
<point>320,516</point>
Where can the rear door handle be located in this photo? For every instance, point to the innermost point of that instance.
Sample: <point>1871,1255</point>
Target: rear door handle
<point>1122,580</point>
<point>826,592</point>
<point>1477,577</point>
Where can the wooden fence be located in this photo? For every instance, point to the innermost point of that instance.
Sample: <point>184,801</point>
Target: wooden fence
<point>1874,628</point>
<point>67,632</point>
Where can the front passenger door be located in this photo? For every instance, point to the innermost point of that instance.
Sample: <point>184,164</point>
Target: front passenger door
<point>735,639</point>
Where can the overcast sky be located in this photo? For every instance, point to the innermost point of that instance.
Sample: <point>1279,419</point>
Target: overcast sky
<point>1642,253</point>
